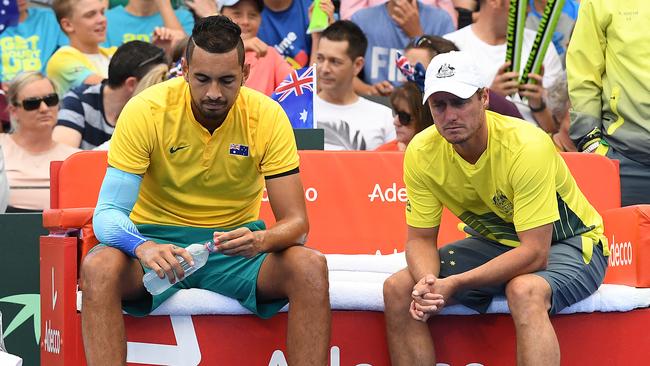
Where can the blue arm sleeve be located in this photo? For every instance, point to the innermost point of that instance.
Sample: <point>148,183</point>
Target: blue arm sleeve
<point>111,221</point>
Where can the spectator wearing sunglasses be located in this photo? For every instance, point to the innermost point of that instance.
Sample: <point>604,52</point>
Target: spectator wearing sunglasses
<point>410,116</point>
<point>89,112</point>
<point>83,61</point>
<point>33,104</point>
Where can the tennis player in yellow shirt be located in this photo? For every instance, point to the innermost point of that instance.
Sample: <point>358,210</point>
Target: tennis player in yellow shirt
<point>533,236</point>
<point>188,162</point>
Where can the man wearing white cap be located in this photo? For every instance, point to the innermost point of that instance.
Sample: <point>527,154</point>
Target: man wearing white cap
<point>533,236</point>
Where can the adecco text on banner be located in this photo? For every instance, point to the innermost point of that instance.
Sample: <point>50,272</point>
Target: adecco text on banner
<point>311,195</point>
<point>620,253</point>
<point>390,194</point>
<point>278,359</point>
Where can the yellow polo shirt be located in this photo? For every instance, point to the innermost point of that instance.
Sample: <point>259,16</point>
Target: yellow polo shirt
<point>519,183</point>
<point>192,177</point>
<point>68,67</point>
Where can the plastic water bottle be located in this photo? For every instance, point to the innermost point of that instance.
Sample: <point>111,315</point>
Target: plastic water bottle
<point>199,252</point>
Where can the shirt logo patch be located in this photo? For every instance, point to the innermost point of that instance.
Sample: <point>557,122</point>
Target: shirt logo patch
<point>446,71</point>
<point>173,149</point>
<point>238,149</point>
<point>503,204</point>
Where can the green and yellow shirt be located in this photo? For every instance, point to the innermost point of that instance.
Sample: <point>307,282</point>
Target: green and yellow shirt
<point>519,183</point>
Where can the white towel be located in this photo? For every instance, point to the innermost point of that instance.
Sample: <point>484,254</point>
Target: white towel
<point>348,295</point>
<point>196,301</point>
<point>356,283</point>
<point>390,263</point>
<point>345,294</point>
<point>607,298</point>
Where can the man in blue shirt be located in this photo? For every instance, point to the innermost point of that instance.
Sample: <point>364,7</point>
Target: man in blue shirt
<point>389,28</point>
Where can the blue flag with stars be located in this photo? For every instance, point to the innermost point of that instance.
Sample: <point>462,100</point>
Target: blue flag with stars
<point>296,96</point>
<point>8,14</point>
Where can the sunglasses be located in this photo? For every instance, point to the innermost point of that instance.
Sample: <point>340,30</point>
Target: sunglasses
<point>30,104</point>
<point>423,41</point>
<point>403,117</point>
<point>159,56</point>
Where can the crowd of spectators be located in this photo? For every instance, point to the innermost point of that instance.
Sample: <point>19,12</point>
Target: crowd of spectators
<point>68,51</point>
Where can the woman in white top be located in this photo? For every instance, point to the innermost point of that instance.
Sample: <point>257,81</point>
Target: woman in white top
<point>33,107</point>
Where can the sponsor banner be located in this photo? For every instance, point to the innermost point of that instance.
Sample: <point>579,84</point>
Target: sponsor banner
<point>355,201</point>
<point>628,232</point>
<point>359,339</point>
<point>59,324</point>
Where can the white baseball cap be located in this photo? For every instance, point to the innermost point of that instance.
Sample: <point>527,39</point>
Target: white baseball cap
<point>222,3</point>
<point>453,72</point>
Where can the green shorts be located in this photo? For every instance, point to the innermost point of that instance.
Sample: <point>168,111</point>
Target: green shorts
<point>231,276</point>
<point>570,278</point>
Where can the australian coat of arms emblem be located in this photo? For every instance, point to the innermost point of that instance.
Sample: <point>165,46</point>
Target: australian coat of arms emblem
<point>446,71</point>
<point>503,204</point>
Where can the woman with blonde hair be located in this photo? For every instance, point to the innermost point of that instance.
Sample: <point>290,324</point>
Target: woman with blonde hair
<point>157,74</point>
<point>28,151</point>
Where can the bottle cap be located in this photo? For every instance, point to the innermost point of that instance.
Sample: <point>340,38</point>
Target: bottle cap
<point>209,245</point>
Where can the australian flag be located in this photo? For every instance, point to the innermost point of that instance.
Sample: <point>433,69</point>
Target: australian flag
<point>8,14</point>
<point>238,149</point>
<point>412,73</point>
<point>296,96</point>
